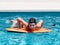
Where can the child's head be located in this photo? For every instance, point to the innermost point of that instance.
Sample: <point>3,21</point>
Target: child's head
<point>32,20</point>
<point>32,23</point>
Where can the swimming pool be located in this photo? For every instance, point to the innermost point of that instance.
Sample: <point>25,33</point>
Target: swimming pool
<point>12,38</point>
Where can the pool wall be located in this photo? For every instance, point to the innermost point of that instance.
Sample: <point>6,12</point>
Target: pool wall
<point>6,14</point>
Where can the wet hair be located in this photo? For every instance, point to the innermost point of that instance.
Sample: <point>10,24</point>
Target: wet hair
<point>32,20</point>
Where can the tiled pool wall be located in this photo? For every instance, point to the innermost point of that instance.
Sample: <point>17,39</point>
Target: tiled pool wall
<point>6,14</point>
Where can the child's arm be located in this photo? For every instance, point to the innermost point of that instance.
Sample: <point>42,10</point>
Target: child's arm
<point>40,23</point>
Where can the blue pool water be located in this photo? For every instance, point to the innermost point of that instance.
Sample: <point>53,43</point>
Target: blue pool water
<point>12,38</point>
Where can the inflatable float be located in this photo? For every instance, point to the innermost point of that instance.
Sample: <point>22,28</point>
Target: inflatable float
<point>23,30</point>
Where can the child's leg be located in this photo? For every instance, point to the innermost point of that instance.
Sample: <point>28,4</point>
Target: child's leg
<point>21,21</point>
<point>13,23</point>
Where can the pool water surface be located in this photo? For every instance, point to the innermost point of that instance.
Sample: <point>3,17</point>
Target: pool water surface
<point>13,38</point>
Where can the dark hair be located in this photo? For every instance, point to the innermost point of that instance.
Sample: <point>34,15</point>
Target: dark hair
<point>32,20</point>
